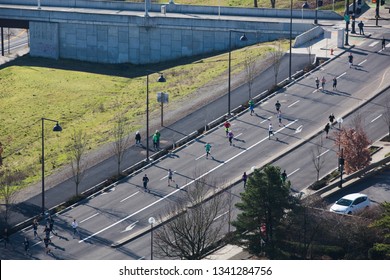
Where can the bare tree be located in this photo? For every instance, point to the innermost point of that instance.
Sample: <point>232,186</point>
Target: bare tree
<point>386,113</point>
<point>121,139</point>
<point>8,189</point>
<point>197,226</point>
<point>317,157</point>
<point>77,152</point>
<point>277,55</point>
<point>250,71</point>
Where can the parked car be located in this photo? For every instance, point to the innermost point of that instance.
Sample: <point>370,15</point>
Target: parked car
<point>351,204</point>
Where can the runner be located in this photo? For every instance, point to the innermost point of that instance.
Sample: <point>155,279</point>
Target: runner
<point>145,181</point>
<point>270,131</point>
<point>323,81</point>
<point>277,106</point>
<point>251,106</point>
<point>317,83</point>
<point>350,60</point>
<point>244,178</point>
<point>280,118</point>
<point>170,176</point>
<point>227,127</point>
<point>208,148</point>
<point>334,83</point>
<point>326,129</point>
<point>283,176</point>
<point>230,136</point>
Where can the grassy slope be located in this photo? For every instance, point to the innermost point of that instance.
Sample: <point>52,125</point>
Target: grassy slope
<point>88,96</point>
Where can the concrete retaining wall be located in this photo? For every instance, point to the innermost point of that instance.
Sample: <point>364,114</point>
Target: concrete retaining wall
<point>308,36</point>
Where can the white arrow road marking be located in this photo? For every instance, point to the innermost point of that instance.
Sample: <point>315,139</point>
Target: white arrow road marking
<point>299,129</point>
<point>130,227</point>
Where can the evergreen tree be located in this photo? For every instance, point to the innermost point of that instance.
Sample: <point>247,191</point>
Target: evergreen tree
<point>263,207</point>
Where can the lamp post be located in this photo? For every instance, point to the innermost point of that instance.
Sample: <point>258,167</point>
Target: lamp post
<point>57,128</point>
<point>161,79</point>
<point>341,167</point>
<point>151,221</point>
<point>289,64</point>
<point>305,6</point>
<point>316,16</point>
<point>346,18</point>
<point>242,38</point>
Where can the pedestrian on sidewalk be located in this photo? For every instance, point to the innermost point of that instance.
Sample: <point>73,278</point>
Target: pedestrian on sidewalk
<point>326,129</point>
<point>277,106</point>
<point>35,228</point>
<point>283,176</point>
<point>331,119</point>
<point>155,141</point>
<point>137,139</point>
<point>334,83</point>
<point>350,60</point>
<point>26,245</point>
<point>230,136</point>
<point>227,127</point>
<point>158,134</point>
<point>75,227</point>
<point>251,106</point>
<point>208,148</point>
<point>383,43</point>
<point>317,83</point>
<point>145,181</point>
<point>323,81</point>
<point>361,25</point>
<point>244,179</point>
<point>6,237</point>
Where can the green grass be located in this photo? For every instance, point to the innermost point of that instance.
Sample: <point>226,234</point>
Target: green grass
<point>88,96</point>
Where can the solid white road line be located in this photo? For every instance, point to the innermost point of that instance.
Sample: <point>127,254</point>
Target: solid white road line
<point>377,118</point>
<point>129,196</point>
<point>182,187</point>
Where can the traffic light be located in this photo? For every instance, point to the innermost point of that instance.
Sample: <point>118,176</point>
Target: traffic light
<point>383,2</point>
<point>320,3</point>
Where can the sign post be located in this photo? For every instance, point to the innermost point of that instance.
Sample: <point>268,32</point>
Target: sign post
<point>162,97</point>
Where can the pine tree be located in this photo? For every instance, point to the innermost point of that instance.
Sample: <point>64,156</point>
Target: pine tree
<point>263,207</point>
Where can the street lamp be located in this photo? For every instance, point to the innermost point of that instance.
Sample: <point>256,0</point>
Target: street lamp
<point>161,79</point>
<point>242,38</point>
<point>341,167</point>
<point>151,221</point>
<point>316,16</point>
<point>305,6</point>
<point>346,18</point>
<point>339,121</point>
<point>57,128</point>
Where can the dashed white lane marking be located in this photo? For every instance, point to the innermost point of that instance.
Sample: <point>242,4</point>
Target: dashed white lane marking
<point>373,44</point>
<point>377,118</point>
<point>293,104</point>
<point>323,153</point>
<point>129,197</point>
<point>362,62</point>
<point>341,75</point>
<point>296,170</point>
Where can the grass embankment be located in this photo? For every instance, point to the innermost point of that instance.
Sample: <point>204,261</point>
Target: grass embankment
<point>88,96</point>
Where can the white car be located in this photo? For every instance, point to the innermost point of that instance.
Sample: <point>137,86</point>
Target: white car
<point>350,204</point>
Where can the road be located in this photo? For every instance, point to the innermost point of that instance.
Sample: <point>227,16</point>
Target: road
<point>124,210</point>
<point>14,40</point>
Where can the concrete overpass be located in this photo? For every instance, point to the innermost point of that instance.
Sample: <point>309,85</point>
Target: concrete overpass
<point>122,32</point>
